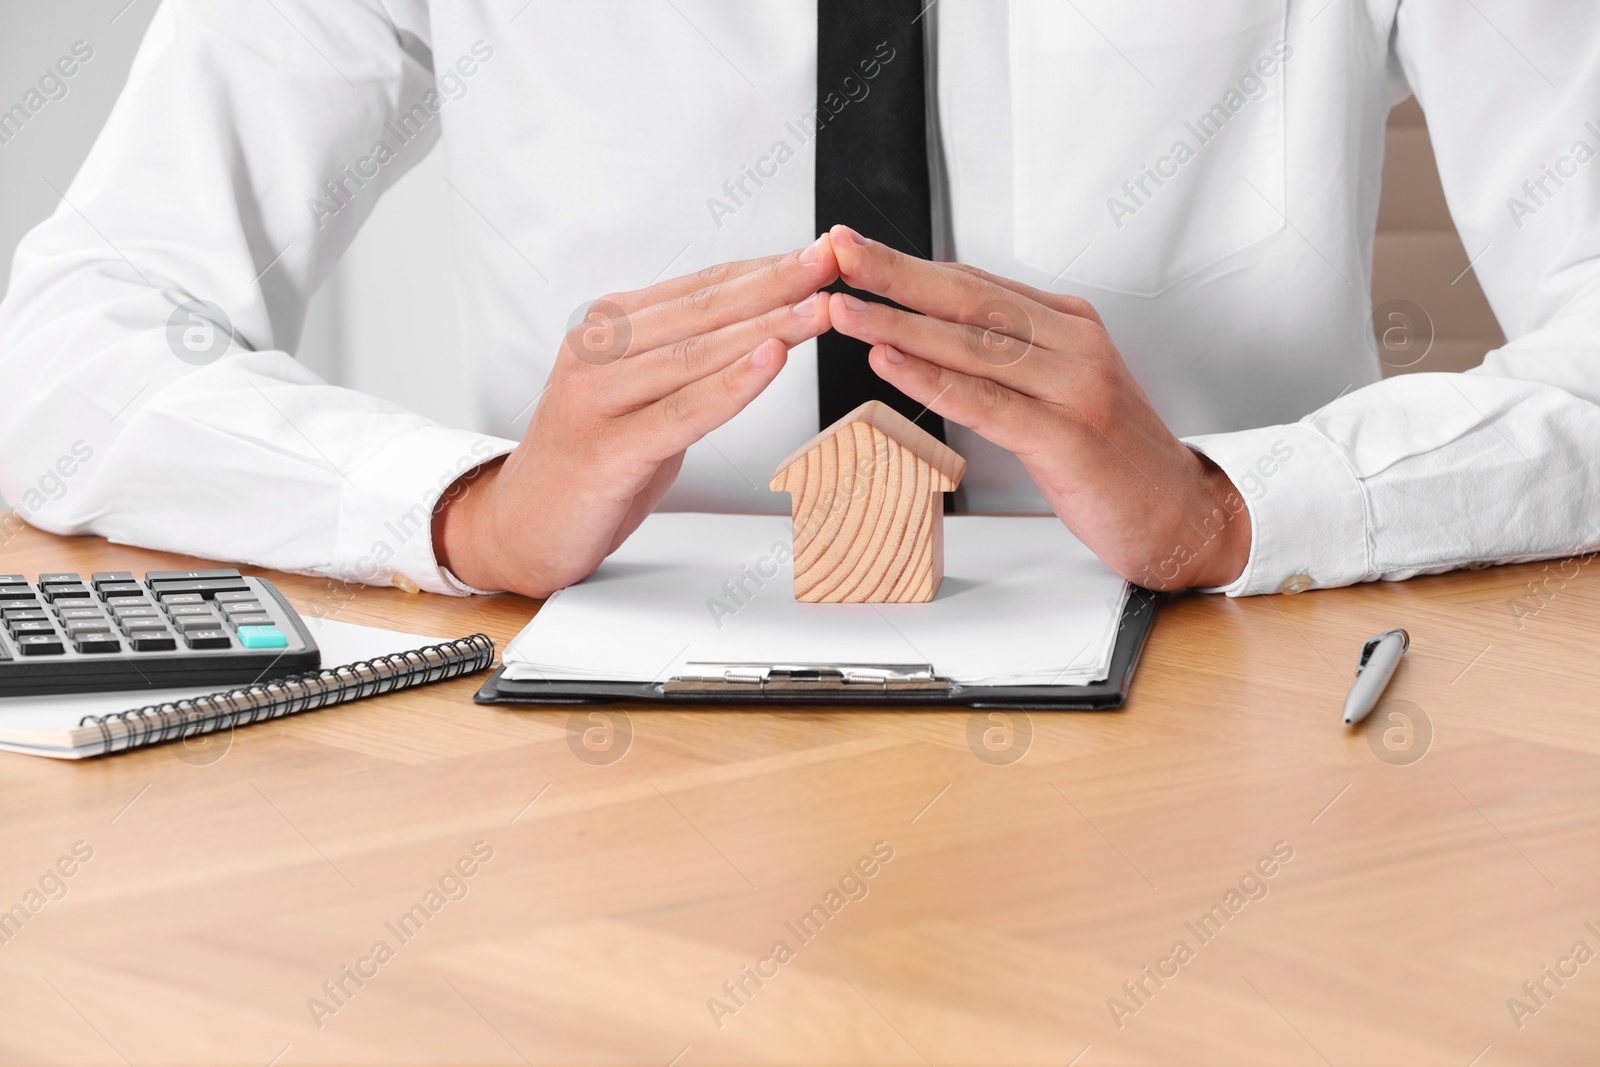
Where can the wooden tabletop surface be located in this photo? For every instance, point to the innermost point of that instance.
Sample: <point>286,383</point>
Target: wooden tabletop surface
<point>1217,874</point>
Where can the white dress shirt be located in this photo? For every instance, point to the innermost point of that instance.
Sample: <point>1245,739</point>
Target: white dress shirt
<point>1207,174</point>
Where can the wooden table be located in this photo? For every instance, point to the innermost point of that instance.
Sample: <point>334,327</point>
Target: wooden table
<point>1025,887</point>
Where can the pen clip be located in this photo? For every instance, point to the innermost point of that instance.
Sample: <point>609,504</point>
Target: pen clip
<point>1373,642</point>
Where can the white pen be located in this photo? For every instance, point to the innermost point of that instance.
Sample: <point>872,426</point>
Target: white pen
<point>1379,658</point>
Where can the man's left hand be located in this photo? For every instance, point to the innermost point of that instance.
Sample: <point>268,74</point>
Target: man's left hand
<point>1036,374</point>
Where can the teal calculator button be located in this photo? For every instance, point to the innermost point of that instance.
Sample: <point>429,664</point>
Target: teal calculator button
<point>262,637</point>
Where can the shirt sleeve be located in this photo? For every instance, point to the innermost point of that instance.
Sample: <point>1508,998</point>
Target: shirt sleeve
<point>1422,473</point>
<point>145,341</point>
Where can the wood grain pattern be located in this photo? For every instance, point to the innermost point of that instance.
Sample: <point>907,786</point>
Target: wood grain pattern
<point>868,509</point>
<point>1028,884</point>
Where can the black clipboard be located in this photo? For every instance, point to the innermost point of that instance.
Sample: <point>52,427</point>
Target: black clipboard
<point>892,684</point>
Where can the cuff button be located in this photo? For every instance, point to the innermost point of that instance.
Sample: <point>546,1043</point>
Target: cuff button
<point>1296,583</point>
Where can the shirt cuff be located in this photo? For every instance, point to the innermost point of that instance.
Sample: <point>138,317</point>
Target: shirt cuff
<point>1309,526</point>
<point>460,588</point>
<point>386,529</point>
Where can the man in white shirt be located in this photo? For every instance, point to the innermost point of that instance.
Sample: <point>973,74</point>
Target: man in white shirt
<point>1168,344</point>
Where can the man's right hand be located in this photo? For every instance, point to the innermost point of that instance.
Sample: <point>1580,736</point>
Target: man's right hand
<point>643,377</point>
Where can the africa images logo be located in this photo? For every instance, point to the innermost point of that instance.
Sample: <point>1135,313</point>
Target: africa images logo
<point>198,332</point>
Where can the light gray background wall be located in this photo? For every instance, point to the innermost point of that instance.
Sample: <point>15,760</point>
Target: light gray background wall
<point>51,147</point>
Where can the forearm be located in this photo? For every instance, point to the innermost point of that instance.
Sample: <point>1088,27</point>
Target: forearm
<point>253,460</point>
<point>197,190</point>
<point>1417,474</point>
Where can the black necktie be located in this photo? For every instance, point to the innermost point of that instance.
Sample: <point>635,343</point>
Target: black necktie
<point>872,169</point>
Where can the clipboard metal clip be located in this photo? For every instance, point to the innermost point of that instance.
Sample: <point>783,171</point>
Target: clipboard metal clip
<point>706,678</point>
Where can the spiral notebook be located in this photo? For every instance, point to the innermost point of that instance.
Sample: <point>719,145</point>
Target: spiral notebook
<point>373,661</point>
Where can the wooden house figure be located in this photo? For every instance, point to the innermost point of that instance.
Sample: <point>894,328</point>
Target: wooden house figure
<point>867,497</point>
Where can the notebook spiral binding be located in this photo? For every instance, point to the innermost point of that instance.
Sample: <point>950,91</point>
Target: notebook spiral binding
<point>159,723</point>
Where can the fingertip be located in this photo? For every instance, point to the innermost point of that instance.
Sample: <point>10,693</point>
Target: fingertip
<point>846,235</point>
<point>824,320</point>
<point>843,305</point>
<point>767,354</point>
<point>854,317</point>
<point>848,246</point>
<point>815,250</point>
<point>814,316</point>
<point>905,372</point>
<point>887,361</point>
<point>826,249</point>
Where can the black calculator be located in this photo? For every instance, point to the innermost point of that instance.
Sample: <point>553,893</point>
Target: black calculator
<point>171,629</point>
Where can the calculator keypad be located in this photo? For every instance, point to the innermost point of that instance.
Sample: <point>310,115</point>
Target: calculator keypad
<point>114,613</point>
